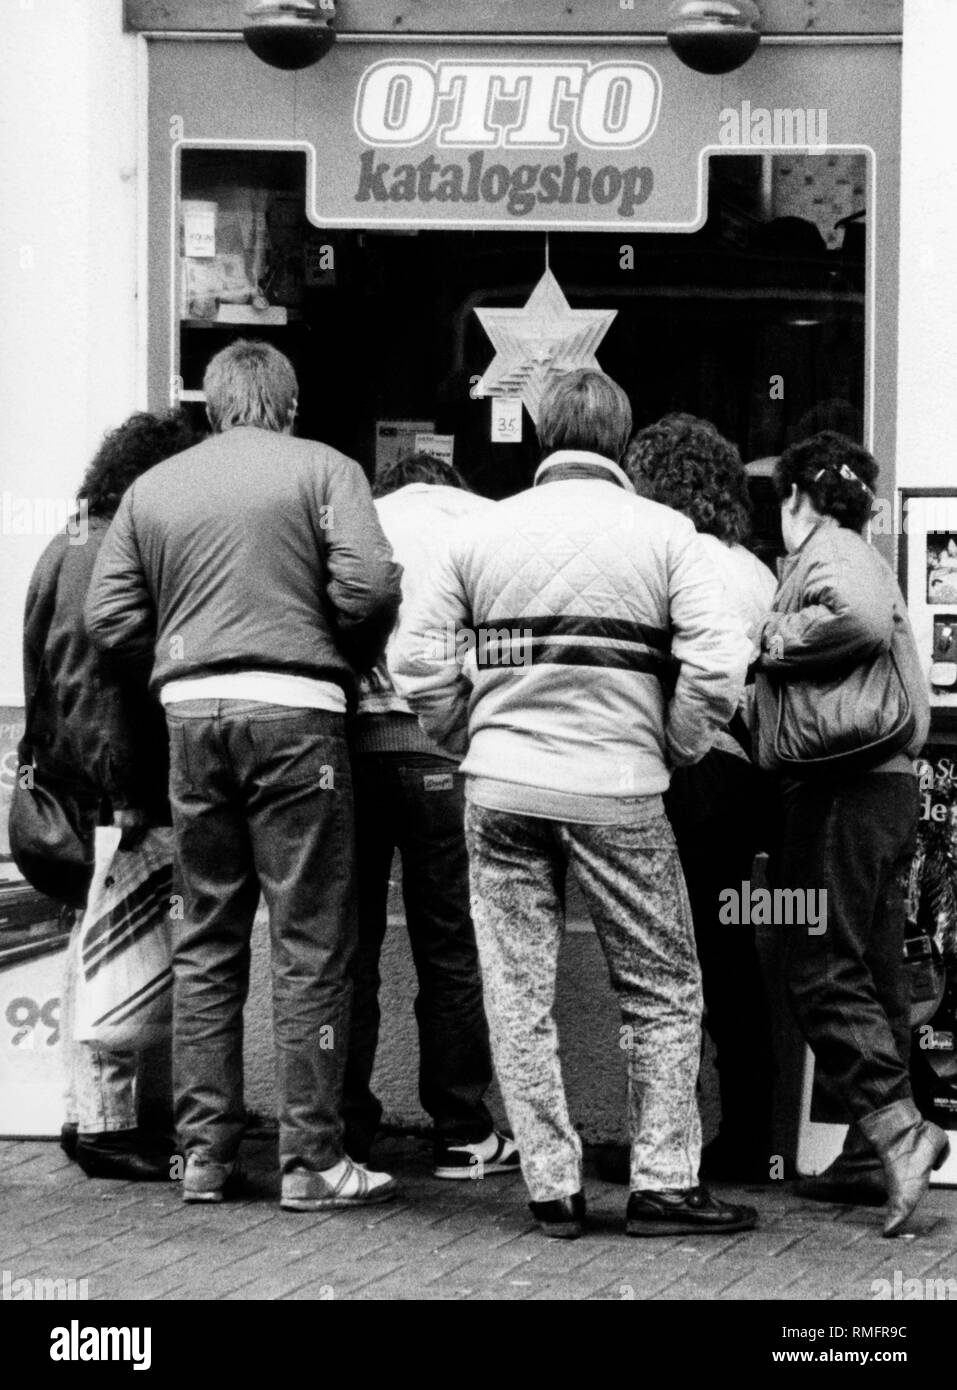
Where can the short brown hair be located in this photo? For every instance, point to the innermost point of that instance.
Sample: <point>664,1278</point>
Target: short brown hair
<point>585,409</point>
<point>250,383</point>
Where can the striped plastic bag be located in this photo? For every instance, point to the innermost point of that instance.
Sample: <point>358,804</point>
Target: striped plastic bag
<point>125,979</point>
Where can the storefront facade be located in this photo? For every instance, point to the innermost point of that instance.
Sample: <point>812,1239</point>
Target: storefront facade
<point>437,160</point>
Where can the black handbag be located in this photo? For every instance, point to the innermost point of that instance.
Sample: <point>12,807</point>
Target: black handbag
<point>51,838</point>
<point>46,836</point>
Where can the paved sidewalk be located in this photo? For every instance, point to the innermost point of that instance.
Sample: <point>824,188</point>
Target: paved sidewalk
<point>440,1240</point>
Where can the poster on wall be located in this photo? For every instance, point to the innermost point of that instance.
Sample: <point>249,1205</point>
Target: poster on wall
<point>930,956</point>
<point>928,578</point>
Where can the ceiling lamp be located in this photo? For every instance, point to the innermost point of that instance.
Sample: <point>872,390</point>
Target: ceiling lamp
<point>714,36</point>
<point>290,34</point>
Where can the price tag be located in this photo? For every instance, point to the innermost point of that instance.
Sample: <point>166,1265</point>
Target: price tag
<point>506,420</point>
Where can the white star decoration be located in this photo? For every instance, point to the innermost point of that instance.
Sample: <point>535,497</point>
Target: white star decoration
<point>542,339</point>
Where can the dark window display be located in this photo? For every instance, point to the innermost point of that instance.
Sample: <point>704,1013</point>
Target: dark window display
<point>756,321</point>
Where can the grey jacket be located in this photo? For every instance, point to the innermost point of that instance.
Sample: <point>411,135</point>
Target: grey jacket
<point>838,628</point>
<point>251,551</point>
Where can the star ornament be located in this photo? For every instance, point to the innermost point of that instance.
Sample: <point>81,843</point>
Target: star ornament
<point>538,342</point>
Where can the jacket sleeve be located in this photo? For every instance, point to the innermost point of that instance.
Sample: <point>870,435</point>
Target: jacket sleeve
<point>426,661</point>
<point>844,617</point>
<point>37,617</point>
<point>711,647</point>
<point>119,612</point>
<point>363,585</point>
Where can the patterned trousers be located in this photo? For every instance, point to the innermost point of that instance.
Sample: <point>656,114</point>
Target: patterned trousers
<point>630,876</point>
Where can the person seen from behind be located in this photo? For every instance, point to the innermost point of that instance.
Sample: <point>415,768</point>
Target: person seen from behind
<point>842,708</point>
<point>573,644</point>
<point>409,796</point>
<point>99,738</point>
<point>254,571</point>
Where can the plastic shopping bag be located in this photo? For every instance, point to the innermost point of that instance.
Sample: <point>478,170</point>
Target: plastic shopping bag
<point>125,984</point>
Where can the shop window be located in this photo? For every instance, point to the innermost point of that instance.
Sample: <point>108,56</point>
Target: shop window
<point>756,321</point>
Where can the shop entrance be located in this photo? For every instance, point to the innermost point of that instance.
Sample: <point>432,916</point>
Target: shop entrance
<point>756,321</point>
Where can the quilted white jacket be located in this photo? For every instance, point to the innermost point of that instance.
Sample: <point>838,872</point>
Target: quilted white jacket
<point>574,638</point>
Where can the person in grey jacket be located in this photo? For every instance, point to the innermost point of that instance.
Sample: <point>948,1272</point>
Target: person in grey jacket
<point>254,570</point>
<point>575,642</point>
<point>848,832</point>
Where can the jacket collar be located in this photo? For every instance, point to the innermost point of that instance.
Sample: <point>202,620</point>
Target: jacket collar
<point>580,463</point>
<point>821,529</point>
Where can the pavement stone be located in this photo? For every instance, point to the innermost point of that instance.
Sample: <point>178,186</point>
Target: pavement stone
<point>439,1241</point>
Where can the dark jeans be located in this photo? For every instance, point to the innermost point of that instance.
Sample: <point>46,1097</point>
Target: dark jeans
<point>718,809</point>
<point>262,798</point>
<point>853,838</point>
<point>415,802</point>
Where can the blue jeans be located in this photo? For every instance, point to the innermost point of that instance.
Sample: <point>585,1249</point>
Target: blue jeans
<point>262,799</point>
<point>416,802</point>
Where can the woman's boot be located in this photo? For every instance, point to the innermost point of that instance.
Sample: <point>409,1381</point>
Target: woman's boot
<point>910,1148</point>
<point>855,1178</point>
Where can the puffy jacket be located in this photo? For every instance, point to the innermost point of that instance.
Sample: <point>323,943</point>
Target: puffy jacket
<point>92,720</point>
<point>837,614</point>
<point>574,638</point>
<point>251,551</point>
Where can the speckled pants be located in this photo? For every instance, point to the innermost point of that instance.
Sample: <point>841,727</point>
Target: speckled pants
<point>631,879</point>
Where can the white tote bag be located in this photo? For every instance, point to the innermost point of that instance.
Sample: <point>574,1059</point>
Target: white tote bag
<point>125,978</point>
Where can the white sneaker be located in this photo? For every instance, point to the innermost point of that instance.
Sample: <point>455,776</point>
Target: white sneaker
<point>485,1159</point>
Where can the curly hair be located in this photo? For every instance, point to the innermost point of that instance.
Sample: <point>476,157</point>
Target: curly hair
<point>684,463</point>
<point>129,450</point>
<point>417,468</point>
<point>835,473</point>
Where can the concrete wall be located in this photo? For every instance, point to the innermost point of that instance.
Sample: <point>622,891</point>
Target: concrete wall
<point>69,356</point>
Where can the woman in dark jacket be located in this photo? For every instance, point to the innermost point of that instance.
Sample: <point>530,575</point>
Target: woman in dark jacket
<point>99,737</point>
<point>838,630</point>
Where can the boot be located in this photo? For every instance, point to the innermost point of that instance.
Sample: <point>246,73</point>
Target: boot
<point>855,1178</point>
<point>910,1149</point>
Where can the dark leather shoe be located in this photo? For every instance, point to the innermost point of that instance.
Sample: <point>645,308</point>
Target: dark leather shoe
<point>120,1155</point>
<point>562,1218</point>
<point>684,1213</point>
<point>68,1140</point>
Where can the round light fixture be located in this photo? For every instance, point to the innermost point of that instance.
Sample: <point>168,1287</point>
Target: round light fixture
<point>714,36</point>
<point>290,34</point>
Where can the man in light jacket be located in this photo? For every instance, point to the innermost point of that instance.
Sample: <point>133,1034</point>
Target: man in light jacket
<point>253,569</point>
<point>410,796</point>
<point>576,643</point>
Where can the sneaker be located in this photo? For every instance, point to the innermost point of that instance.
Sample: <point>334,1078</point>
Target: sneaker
<point>484,1159</point>
<point>204,1180</point>
<point>694,1212</point>
<point>345,1184</point>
